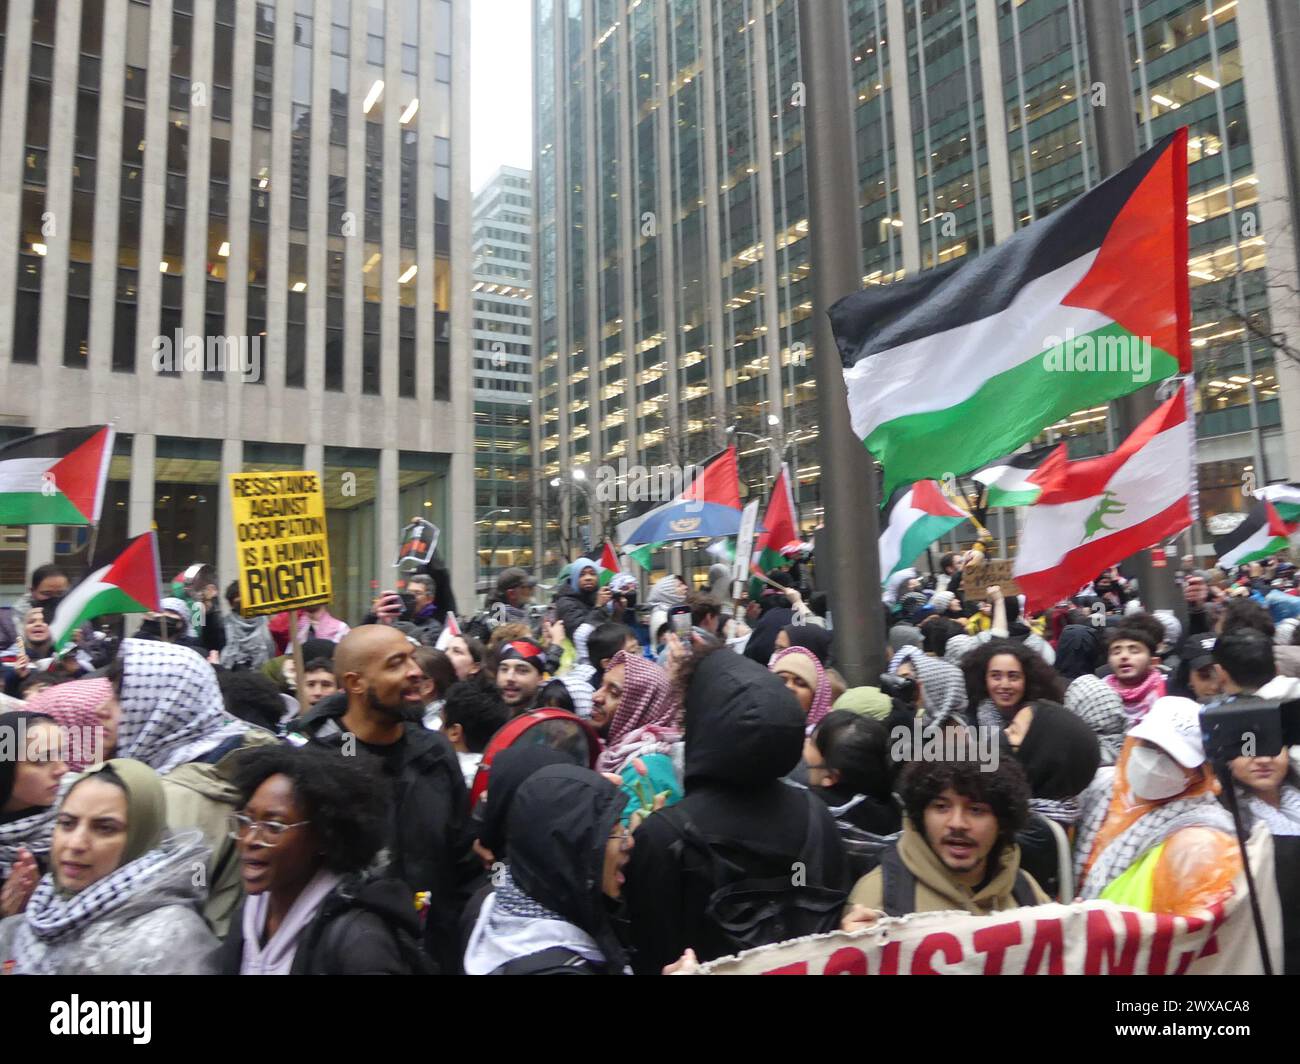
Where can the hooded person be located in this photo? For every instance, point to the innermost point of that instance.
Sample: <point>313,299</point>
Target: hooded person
<point>122,897</point>
<point>578,602</point>
<point>744,733</point>
<point>549,914</point>
<point>811,637</point>
<point>248,639</point>
<point>1152,834</point>
<point>942,690</point>
<point>1079,651</point>
<point>905,635</point>
<point>638,711</point>
<point>958,647</point>
<point>776,614</point>
<point>804,675</point>
<point>1060,755</point>
<point>1095,702</point>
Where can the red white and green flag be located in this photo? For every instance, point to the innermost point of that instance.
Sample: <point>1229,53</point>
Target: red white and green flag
<point>129,584</point>
<point>1285,497</point>
<point>1108,508</point>
<point>779,539</point>
<point>56,478</point>
<point>1265,532</point>
<point>915,517</point>
<point>958,365</point>
<point>609,567</point>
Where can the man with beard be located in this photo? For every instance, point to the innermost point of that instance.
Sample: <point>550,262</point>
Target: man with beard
<point>520,667</point>
<point>958,848</point>
<point>377,711</point>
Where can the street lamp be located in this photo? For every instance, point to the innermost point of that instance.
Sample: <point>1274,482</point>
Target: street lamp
<point>778,455</point>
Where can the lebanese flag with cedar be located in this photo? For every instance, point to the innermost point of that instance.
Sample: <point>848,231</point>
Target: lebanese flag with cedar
<point>1107,508</point>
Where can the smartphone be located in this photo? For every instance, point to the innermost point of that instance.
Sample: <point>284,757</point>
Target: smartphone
<point>679,617</point>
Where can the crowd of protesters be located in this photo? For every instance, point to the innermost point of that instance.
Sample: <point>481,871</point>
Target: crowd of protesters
<point>610,787</point>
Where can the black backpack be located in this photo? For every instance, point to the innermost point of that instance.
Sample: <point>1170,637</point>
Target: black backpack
<point>863,849</point>
<point>554,961</point>
<point>743,913</point>
<point>900,886</point>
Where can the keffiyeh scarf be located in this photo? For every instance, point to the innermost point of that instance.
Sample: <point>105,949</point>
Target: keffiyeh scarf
<point>1098,705</point>
<point>52,914</point>
<point>32,833</point>
<point>1139,698</point>
<point>1285,819</point>
<point>821,701</point>
<point>514,902</point>
<point>172,710</point>
<point>646,710</point>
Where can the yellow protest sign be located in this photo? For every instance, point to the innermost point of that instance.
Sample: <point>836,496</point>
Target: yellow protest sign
<point>280,541</point>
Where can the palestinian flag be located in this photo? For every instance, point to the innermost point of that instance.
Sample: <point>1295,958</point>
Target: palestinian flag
<point>1265,532</point>
<point>1285,497</point>
<point>915,517</point>
<point>779,538</point>
<point>708,508</point>
<point>723,549</point>
<point>609,566</point>
<point>56,478</point>
<point>450,630</point>
<point>1019,479</point>
<point>951,368</point>
<point>1108,508</point>
<point>644,556</point>
<point>130,584</point>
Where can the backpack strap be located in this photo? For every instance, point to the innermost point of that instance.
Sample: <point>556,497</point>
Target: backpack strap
<point>899,884</point>
<point>1023,891</point>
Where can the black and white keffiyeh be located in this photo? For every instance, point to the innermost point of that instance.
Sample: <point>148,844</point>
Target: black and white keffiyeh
<point>172,710</point>
<point>31,833</point>
<point>514,902</point>
<point>1153,827</point>
<point>1284,820</point>
<point>1065,811</point>
<point>943,688</point>
<point>51,914</point>
<point>1097,704</point>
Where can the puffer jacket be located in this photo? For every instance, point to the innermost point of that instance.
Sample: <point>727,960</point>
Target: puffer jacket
<point>155,930</point>
<point>744,733</point>
<point>202,796</point>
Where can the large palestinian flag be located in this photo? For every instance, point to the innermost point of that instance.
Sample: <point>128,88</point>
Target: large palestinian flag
<point>709,508</point>
<point>915,517</point>
<point>1265,532</point>
<point>1108,508</point>
<point>956,366</point>
<point>1286,497</point>
<point>130,584</point>
<point>56,478</point>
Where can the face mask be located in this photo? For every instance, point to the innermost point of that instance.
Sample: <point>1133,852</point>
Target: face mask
<point>1154,775</point>
<point>48,607</point>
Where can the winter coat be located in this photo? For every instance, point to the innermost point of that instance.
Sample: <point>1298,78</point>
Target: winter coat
<point>155,930</point>
<point>558,826</point>
<point>762,640</point>
<point>363,927</point>
<point>427,831</point>
<point>936,890</point>
<point>202,796</point>
<point>744,732</point>
<point>576,608</point>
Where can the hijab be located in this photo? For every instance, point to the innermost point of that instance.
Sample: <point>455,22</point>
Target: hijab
<point>806,665</point>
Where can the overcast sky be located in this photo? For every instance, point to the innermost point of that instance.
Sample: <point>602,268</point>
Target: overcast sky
<point>501,87</point>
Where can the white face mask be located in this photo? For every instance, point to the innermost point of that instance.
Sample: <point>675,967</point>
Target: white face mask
<point>1154,775</point>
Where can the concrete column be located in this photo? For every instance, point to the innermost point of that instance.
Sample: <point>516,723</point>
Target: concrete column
<point>108,184</point>
<point>140,514</point>
<point>349,432</point>
<point>896,27</point>
<point>58,208</point>
<point>995,119</point>
<point>13,130</point>
<point>1264,116</point>
<point>198,397</point>
<point>232,461</point>
<point>387,519</point>
<point>238,209</point>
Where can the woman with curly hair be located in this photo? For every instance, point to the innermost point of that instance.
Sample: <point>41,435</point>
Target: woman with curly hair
<point>1003,677</point>
<point>309,827</point>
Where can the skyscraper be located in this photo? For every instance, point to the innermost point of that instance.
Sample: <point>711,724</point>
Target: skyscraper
<point>288,177</point>
<point>674,301</point>
<point>501,241</point>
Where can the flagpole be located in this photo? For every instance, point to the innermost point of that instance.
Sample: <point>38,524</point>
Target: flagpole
<point>1117,146</point>
<point>851,540</point>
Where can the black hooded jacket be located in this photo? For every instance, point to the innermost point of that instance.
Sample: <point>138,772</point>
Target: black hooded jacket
<point>576,608</point>
<point>558,827</point>
<point>1079,651</point>
<point>427,836</point>
<point>363,927</point>
<point>744,732</point>
<point>762,640</point>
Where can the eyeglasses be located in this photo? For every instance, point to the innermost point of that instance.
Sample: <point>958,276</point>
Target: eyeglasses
<point>270,830</point>
<point>624,838</point>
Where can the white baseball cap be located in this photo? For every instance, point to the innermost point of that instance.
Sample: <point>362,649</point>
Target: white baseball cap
<point>1174,725</point>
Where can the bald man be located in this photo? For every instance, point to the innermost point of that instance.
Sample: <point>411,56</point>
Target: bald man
<point>376,715</point>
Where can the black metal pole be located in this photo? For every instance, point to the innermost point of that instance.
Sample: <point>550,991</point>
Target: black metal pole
<point>1117,147</point>
<point>848,550</point>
